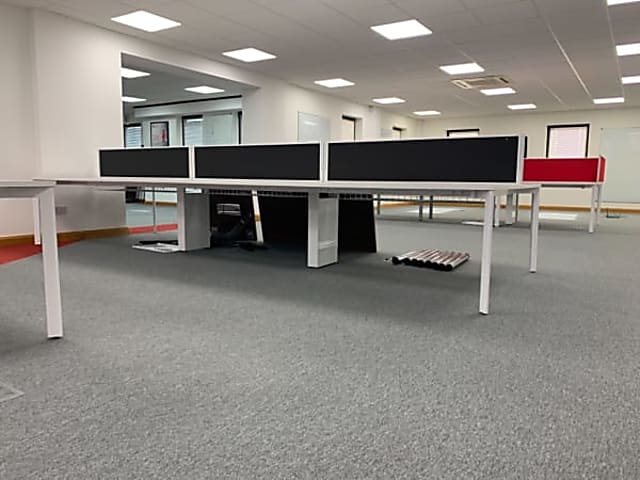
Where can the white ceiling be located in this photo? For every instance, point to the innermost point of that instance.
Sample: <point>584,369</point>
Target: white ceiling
<point>559,53</point>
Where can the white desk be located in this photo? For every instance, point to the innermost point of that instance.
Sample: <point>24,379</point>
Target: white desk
<point>322,246</point>
<point>46,216</point>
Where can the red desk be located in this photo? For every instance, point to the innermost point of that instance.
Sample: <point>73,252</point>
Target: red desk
<point>569,173</point>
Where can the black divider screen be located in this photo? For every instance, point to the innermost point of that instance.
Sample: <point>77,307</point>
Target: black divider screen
<point>484,159</point>
<point>272,162</point>
<point>145,162</point>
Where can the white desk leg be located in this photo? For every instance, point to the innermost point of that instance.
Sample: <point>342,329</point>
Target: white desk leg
<point>193,221</point>
<point>509,210</point>
<point>496,213</point>
<point>487,249</point>
<point>322,237</point>
<point>599,209</point>
<point>50,264</point>
<point>535,227</point>
<point>517,208</point>
<point>592,212</point>
<point>37,238</point>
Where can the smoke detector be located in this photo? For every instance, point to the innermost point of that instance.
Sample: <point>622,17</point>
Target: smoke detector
<point>494,81</point>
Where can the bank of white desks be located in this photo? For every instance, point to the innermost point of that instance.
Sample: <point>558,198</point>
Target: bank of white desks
<point>46,224</point>
<point>323,201</point>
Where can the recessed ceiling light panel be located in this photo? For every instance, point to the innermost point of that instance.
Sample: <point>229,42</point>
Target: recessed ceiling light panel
<point>133,99</point>
<point>143,20</point>
<point>498,91</point>
<point>400,30</point>
<point>631,80</point>
<point>523,106</point>
<point>628,49</point>
<point>334,83</point>
<point>249,55</point>
<point>389,100</point>
<point>606,101</point>
<point>462,68</point>
<point>427,113</point>
<point>620,2</point>
<point>131,73</point>
<point>204,90</point>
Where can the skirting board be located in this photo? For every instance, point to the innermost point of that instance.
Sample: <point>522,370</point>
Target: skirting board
<point>564,208</point>
<point>66,236</point>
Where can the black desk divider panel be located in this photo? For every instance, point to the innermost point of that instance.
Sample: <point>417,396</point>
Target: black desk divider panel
<point>145,162</point>
<point>479,159</point>
<point>295,161</point>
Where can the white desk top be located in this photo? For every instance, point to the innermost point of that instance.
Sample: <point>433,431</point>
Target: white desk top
<point>27,183</point>
<point>303,185</point>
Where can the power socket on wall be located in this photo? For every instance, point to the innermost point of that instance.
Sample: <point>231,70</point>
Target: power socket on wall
<point>61,209</point>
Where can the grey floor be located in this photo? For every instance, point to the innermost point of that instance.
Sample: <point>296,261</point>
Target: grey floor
<point>245,365</point>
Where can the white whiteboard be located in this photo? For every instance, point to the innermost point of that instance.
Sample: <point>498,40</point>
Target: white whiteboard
<point>621,148</point>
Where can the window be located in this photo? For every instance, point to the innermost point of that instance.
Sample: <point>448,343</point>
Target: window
<point>567,141</point>
<point>133,135</point>
<point>466,132</point>
<point>192,131</point>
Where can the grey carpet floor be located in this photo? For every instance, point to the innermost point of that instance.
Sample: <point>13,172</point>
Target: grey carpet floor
<point>246,365</point>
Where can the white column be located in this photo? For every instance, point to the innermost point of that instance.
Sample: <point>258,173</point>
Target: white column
<point>535,227</point>
<point>50,264</point>
<point>322,237</point>
<point>487,249</point>
<point>193,220</point>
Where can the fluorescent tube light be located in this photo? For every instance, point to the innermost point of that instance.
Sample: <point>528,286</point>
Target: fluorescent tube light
<point>631,80</point>
<point>249,55</point>
<point>334,83</point>
<point>389,100</point>
<point>143,20</point>
<point>133,99</point>
<point>131,73</point>
<point>606,101</point>
<point>628,49</point>
<point>498,91</point>
<point>523,106</point>
<point>204,90</point>
<point>400,30</point>
<point>427,113</point>
<point>462,68</point>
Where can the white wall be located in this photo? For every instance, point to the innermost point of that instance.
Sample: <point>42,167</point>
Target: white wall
<point>534,125</point>
<point>18,148</point>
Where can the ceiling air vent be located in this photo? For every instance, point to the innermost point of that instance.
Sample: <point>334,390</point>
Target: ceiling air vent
<point>482,82</point>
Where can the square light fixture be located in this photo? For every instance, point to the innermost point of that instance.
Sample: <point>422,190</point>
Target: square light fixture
<point>523,106</point>
<point>400,30</point>
<point>204,90</point>
<point>620,2</point>
<point>133,99</point>
<point>462,68</point>
<point>632,79</point>
<point>628,49</point>
<point>149,22</point>
<point>389,100</point>
<point>606,101</point>
<point>249,55</point>
<point>131,73</point>
<point>334,83</point>
<point>427,113</point>
<point>498,91</point>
